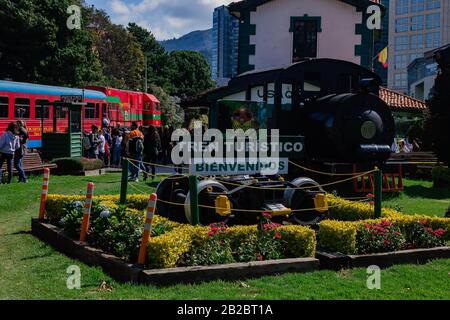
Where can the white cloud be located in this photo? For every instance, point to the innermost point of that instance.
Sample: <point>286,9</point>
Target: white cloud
<point>164,18</point>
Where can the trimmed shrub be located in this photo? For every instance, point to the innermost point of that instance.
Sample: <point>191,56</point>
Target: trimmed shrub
<point>345,210</point>
<point>337,236</point>
<point>441,176</point>
<point>188,245</point>
<point>341,236</point>
<point>55,203</point>
<point>78,164</point>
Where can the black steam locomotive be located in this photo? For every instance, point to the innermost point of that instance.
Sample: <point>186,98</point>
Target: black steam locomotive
<point>333,104</point>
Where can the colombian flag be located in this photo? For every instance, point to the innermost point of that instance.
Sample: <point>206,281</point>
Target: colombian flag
<point>383,57</point>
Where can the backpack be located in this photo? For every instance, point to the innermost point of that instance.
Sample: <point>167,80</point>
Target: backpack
<point>136,146</point>
<point>87,145</point>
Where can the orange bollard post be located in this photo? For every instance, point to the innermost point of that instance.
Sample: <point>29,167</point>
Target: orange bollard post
<point>87,211</point>
<point>151,208</point>
<point>44,193</point>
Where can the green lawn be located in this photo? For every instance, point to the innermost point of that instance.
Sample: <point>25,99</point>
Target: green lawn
<point>29,269</point>
<point>420,197</point>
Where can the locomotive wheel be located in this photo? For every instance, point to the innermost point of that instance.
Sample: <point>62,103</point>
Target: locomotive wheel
<point>299,199</point>
<point>207,215</point>
<point>166,191</point>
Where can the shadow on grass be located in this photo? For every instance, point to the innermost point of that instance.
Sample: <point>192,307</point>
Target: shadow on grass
<point>19,233</point>
<point>430,193</point>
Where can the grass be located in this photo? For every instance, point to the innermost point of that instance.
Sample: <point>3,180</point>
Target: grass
<point>30,269</point>
<point>420,197</point>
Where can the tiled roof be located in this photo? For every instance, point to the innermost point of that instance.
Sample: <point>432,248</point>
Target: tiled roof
<point>400,102</point>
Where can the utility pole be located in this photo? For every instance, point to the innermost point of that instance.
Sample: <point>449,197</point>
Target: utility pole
<point>146,80</point>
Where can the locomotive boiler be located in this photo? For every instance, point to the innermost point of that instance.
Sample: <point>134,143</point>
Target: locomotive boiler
<point>348,127</point>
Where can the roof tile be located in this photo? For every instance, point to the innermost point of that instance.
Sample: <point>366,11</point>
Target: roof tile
<point>401,102</point>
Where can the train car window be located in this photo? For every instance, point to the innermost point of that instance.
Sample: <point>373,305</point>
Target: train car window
<point>104,110</point>
<point>4,102</point>
<point>42,109</point>
<point>97,111</point>
<point>312,82</point>
<point>89,111</point>
<point>157,107</point>
<point>61,112</point>
<point>22,108</point>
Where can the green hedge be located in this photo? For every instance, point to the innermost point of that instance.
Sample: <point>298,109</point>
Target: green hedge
<point>441,175</point>
<point>340,236</point>
<point>78,164</point>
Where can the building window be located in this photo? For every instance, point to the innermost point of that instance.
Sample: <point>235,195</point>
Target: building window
<point>433,21</point>
<point>402,25</point>
<point>22,108</point>
<point>4,103</point>
<point>417,23</point>
<point>401,61</point>
<point>89,111</point>
<point>401,43</point>
<point>401,80</point>
<point>433,4</point>
<point>42,109</point>
<point>305,31</point>
<point>416,41</point>
<point>401,7</point>
<point>433,40</point>
<point>417,5</point>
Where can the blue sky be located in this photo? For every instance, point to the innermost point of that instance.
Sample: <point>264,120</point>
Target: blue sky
<point>164,18</point>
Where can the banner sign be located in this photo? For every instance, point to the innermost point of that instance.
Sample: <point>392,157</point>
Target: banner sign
<point>241,168</point>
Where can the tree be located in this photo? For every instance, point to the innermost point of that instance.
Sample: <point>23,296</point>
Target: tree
<point>171,112</point>
<point>158,62</point>
<point>37,46</point>
<point>190,74</point>
<point>437,124</point>
<point>119,52</point>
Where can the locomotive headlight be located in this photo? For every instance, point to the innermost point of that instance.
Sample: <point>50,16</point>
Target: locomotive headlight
<point>368,130</point>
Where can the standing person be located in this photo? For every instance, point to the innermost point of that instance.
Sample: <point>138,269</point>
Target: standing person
<point>94,143</point>
<point>152,148</point>
<point>9,143</point>
<point>102,147</point>
<point>135,150</point>
<point>117,149</point>
<point>19,154</point>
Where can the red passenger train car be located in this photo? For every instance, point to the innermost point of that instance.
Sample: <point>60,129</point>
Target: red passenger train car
<point>126,106</point>
<point>38,106</point>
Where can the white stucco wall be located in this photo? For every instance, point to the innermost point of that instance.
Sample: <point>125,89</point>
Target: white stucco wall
<point>274,42</point>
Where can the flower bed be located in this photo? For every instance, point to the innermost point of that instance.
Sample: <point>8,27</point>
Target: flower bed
<point>118,230</point>
<point>349,230</point>
<point>383,235</point>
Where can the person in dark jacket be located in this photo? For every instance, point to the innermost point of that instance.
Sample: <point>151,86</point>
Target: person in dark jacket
<point>152,148</point>
<point>9,143</point>
<point>19,154</point>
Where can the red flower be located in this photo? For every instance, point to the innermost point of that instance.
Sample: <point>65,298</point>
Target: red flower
<point>277,235</point>
<point>267,215</point>
<point>370,195</point>
<point>259,257</point>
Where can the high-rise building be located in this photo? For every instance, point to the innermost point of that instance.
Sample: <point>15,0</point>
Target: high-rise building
<point>225,41</point>
<point>381,42</point>
<point>415,26</point>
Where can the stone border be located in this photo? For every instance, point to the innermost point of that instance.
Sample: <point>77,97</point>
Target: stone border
<point>125,272</point>
<point>337,261</point>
